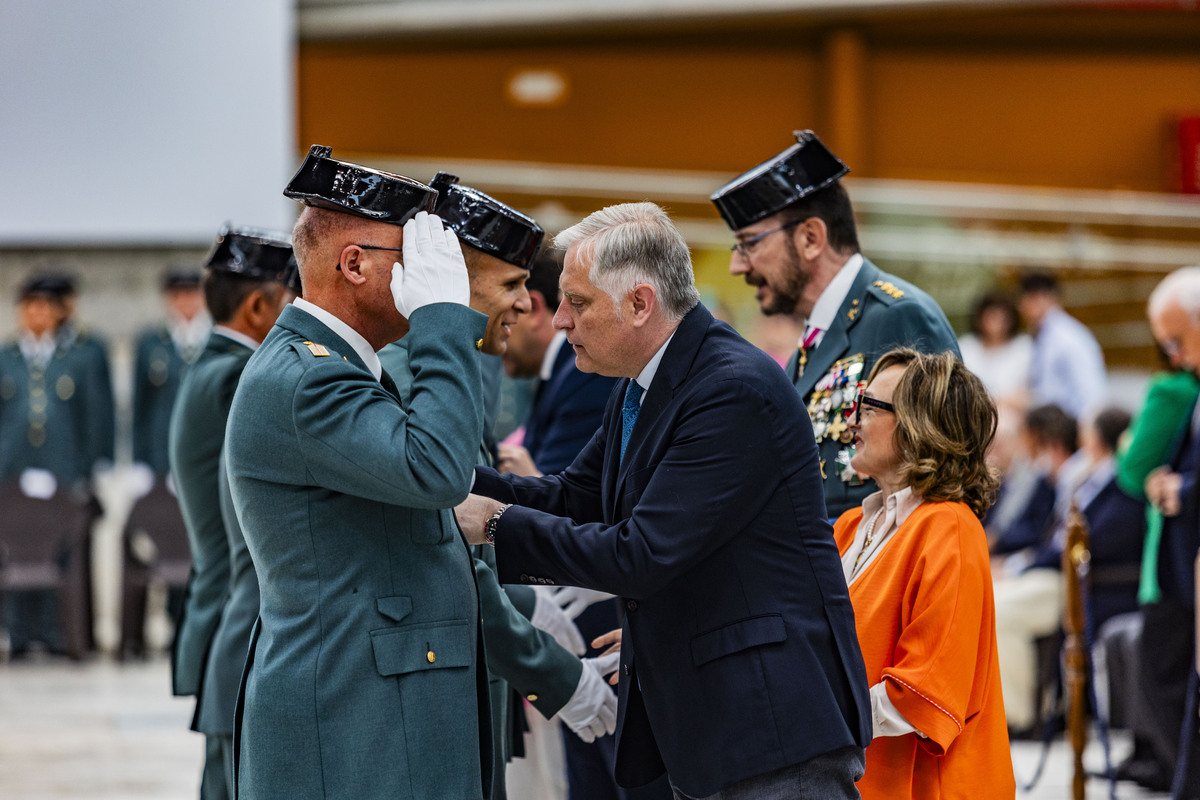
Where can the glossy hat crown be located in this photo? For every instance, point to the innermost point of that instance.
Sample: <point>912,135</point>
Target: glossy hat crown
<point>181,278</point>
<point>251,252</point>
<point>485,223</point>
<point>54,285</point>
<point>354,189</point>
<point>805,167</point>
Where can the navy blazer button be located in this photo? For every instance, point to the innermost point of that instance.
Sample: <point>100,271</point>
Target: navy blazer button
<point>631,605</point>
<point>524,578</point>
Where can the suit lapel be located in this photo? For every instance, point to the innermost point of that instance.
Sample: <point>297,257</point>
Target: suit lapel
<point>836,341</point>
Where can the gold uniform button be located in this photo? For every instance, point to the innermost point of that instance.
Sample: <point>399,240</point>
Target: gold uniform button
<point>532,698</point>
<point>430,657</point>
<point>479,344</point>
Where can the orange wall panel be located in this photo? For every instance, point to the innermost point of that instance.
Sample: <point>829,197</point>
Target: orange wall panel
<point>1077,119</point>
<point>671,107</point>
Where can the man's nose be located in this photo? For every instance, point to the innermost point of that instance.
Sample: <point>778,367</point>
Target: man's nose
<point>562,319</point>
<point>738,264</point>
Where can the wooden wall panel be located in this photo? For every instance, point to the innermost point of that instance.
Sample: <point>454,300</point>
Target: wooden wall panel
<point>678,107</point>
<point>1076,119</point>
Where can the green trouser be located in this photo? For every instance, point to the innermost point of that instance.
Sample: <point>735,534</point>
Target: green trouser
<point>215,781</point>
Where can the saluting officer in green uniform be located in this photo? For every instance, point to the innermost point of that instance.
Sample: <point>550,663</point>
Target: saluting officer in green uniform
<point>798,246</point>
<point>162,353</point>
<point>244,291</point>
<point>499,244</point>
<point>55,408</point>
<point>366,675</point>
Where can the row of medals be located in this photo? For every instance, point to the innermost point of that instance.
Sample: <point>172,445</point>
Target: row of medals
<point>830,406</point>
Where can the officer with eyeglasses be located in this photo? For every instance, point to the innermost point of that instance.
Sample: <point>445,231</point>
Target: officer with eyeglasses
<point>798,246</point>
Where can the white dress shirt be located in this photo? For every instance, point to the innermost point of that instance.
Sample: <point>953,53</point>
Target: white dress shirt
<point>552,355</point>
<point>237,336</point>
<point>348,334</point>
<point>646,376</point>
<point>825,310</point>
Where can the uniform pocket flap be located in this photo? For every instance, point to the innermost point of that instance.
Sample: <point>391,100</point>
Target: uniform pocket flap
<point>430,645</point>
<point>738,636</point>
<point>394,608</point>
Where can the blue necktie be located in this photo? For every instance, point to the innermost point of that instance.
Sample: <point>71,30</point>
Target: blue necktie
<point>629,412</point>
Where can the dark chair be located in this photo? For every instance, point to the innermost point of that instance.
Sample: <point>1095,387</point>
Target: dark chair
<point>45,547</point>
<point>155,548</point>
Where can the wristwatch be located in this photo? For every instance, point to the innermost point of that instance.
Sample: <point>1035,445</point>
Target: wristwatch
<point>489,528</point>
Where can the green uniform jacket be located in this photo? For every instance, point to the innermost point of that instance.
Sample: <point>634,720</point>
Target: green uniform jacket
<point>366,675</point>
<point>158,369</point>
<point>880,313</point>
<point>518,654</point>
<point>59,417</point>
<point>196,434</point>
<point>231,641</point>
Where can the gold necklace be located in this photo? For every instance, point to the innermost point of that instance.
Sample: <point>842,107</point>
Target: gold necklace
<point>867,541</point>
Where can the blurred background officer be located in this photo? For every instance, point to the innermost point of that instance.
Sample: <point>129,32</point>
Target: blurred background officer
<point>244,290</point>
<point>798,245</point>
<point>163,353</point>
<point>499,244</point>
<point>90,351</point>
<point>56,429</point>
<point>155,531</point>
<point>568,409</point>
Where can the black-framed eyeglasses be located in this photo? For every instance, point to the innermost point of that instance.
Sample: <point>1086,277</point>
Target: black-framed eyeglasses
<point>373,247</point>
<point>744,247</point>
<point>863,400</point>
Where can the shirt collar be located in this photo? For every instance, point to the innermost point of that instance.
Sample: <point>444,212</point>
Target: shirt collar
<point>825,310</point>
<point>904,502</point>
<point>551,355</point>
<point>352,337</point>
<point>237,336</point>
<point>646,376</point>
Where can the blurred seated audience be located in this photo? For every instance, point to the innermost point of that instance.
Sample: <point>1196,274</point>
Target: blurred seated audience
<point>997,351</point>
<point>1029,592</point>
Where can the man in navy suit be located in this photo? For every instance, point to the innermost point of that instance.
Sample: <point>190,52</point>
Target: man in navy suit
<point>699,503</point>
<point>568,407</point>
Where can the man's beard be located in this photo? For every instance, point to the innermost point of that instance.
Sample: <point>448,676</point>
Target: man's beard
<point>786,295</point>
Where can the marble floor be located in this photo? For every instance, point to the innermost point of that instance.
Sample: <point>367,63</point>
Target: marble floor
<point>107,731</point>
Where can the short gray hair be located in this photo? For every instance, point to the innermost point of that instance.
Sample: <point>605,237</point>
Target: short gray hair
<point>636,243</point>
<point>1182,286</point>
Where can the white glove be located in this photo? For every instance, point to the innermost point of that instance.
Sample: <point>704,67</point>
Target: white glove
<point>574,600</point>
<point>141,480</point>
<point>592,710</point>
<point>434,270</point>
<point>550,618</point>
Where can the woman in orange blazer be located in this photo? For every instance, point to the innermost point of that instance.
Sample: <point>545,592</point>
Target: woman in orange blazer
<point>916,560</point>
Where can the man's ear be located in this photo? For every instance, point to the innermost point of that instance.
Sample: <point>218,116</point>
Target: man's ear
<point>350,264</point>
<point>643,300</point>
<point>812,236</point>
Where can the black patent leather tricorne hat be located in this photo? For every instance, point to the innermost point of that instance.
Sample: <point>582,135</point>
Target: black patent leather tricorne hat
<point>483,222</point>
<point>252,253</point>
<point>354,189</point>
<point>806,167</point>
